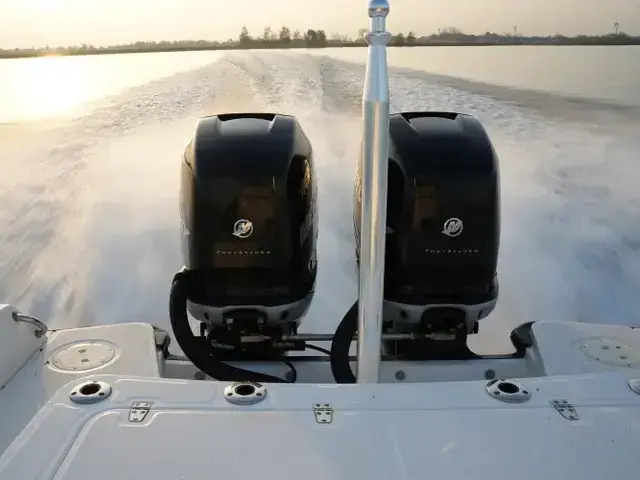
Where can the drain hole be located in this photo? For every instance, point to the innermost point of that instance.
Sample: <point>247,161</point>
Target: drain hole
<point>245,390</point>
<point>508,387</point>
<point>90,389</point>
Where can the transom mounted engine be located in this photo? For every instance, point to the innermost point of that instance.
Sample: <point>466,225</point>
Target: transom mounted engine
<point>443,232</point>
<point>248,206</point>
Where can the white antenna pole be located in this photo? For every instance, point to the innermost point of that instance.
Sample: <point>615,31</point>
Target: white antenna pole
<point>375,162</point>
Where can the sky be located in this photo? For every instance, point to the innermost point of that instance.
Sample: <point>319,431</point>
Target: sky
<point>25,23</point>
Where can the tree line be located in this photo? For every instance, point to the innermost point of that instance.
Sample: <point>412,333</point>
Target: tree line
<point>285,38</point>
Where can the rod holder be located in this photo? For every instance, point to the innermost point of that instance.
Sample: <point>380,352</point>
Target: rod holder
<point>375,162</point>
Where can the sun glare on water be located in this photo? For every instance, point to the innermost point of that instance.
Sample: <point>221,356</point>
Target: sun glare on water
<point>49,86</point>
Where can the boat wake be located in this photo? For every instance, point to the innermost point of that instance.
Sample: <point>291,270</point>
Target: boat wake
<point>89,207</point>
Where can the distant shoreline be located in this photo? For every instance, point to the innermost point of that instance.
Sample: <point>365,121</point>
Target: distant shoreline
<point>318,39</point>
<point>9,54</point>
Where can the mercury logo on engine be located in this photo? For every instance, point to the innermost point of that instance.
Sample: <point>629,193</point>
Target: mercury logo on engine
<point>452,227</point>
<point>243,228</point>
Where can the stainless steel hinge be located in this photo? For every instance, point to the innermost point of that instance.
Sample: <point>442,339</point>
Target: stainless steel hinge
<point>564,408</point>
<point>323,412</point>
<point>138,411</point>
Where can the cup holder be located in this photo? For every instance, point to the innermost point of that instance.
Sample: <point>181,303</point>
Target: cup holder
<point>508,391</point>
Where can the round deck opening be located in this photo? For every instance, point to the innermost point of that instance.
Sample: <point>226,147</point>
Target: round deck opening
<point>90,389</point>
<point>245,393</point>
<point>508,387</point>
<point>245,390</point>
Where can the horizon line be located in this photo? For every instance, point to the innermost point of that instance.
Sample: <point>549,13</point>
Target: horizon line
<point>449,31</point>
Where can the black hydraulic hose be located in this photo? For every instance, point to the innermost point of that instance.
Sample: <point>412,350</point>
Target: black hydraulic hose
<point>197,349</point>
<point>341,344</point>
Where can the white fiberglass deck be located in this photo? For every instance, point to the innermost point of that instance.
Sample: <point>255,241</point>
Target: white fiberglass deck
<point>410,431</point>
<point>437,420</point>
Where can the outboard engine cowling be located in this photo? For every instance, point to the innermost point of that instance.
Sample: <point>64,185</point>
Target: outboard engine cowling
<point>248,208</point>
<point>443,229</point>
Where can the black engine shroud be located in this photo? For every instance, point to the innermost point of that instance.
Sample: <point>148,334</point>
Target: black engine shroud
<point>248,201</point>
<point>443,223</point>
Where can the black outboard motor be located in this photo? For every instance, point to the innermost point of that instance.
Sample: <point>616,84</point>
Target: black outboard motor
<point>249,218</point>
<point>443,232</point>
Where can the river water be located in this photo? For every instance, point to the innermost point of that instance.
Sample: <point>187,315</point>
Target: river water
<point>90,149</point>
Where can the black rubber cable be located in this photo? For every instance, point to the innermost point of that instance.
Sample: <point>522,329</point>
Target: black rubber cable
<point>318,349</point>
<point>341,345</point>
<point>198,349</point>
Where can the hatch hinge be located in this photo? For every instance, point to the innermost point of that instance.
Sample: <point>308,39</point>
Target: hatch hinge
<point>564,408</point>
<point>138,411</point>
<point>323,412</point>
